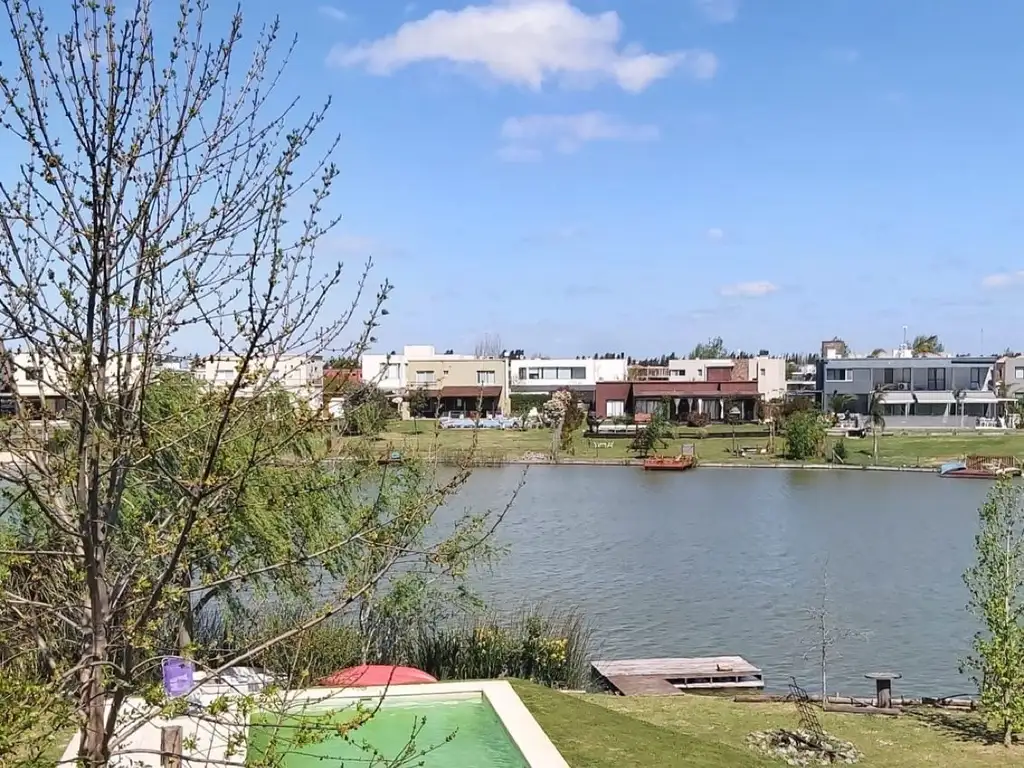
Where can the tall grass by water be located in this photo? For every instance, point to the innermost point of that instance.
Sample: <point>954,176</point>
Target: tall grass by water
<point>550,647</point>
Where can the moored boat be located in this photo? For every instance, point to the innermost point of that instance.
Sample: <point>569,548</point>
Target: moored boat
<point>669,463</point>
<point>981,468</point>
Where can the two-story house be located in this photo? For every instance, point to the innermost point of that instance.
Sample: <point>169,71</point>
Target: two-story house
<point>723,389</point>
<point>451,382</point>
<point>543,376</point>
<point>917,392</point>
<point>301,376</point>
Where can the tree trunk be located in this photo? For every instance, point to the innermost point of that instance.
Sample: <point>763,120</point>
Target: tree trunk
<point>874,438</point>
<point>1008,734</point>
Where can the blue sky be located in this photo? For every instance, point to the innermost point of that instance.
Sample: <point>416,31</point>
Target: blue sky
<point>609,175</point>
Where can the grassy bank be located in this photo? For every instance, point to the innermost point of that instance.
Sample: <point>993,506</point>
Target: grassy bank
<point>494,446</point>
<point>923,739</point>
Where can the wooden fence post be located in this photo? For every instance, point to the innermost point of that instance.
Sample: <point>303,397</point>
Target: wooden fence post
<point>170,746</point>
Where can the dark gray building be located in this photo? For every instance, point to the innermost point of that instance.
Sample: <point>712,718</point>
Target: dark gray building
<point>918,392</point>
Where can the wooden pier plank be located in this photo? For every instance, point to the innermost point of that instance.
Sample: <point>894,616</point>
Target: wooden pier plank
<point>643,685</point>
<point>726,666</point>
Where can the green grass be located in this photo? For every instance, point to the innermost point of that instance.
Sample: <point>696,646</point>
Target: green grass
<point>897,450</point>
<point>929,738</point>
<point>592,736</point>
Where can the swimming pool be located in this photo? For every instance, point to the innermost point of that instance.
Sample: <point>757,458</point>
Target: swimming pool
<point>436,725</point>
<point>460,732</point>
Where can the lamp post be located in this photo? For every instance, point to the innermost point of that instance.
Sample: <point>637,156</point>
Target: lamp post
<point>734,413</point>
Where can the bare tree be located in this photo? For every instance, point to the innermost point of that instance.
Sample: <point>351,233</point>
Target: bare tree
<point>827,635</point>
<point>489,345</point>
<point>165,193</point>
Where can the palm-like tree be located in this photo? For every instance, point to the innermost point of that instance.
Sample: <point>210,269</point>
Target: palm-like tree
<point>927,345</point>
<point>877,352</point>
<point>841,402</point>
<point>876,412</point>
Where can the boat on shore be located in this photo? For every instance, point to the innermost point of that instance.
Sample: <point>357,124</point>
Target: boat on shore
<point>982,468</point>
<point>669,463</point>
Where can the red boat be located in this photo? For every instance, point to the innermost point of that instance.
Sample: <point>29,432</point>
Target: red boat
<point>669,463</point>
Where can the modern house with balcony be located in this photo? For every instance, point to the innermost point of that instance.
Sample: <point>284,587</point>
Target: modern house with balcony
<point>710,387</point>
<point>450,382</point>
<point>918,392</point>
<point>543,376</point>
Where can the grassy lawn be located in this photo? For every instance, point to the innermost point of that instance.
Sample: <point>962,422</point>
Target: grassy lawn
<point>927,739</point>
<point>593,736</point>
<point>423,438</point>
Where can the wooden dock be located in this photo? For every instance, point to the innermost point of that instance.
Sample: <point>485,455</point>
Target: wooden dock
<point>665,677</point>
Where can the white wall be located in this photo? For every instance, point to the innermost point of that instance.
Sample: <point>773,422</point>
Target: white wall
<point>300,375</point>
<point>551,373</point>
<point>386,371</point>
<point>771,376</point>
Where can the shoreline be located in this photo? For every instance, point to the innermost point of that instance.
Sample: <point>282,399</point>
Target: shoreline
<point>818,467</point>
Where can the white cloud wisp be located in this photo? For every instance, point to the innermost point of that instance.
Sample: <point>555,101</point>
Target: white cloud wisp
<point>753,289</point>
<point>528,138</point>
<point>526,43</point>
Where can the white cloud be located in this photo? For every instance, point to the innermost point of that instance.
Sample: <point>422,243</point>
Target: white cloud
<point>528,137</point>
<point>1003,279</point>
<point>333,13</point>
<point>718,11</point>
<point>528,43</point>
<point>715,234</point>
<point>749,290</point>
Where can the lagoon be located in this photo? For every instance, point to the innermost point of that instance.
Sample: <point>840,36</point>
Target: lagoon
<point>720,561</point>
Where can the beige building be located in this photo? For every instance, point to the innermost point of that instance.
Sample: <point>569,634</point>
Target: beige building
<point>461,382</point>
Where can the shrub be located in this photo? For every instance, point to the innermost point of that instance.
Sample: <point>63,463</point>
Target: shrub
<point>839,450</point>
<point>702,433</point>
<point>805,435</point>
<point>697,420</point>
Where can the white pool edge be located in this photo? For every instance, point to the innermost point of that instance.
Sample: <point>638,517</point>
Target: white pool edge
<point>211,739</point>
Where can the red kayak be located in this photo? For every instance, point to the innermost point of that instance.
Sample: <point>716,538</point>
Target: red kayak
<point>366,675</point>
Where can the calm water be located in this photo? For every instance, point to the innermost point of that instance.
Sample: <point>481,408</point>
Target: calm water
<point>425,729</point>
<point>730,561</point>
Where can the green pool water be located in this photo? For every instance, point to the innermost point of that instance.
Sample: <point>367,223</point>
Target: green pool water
<point>459,733</point>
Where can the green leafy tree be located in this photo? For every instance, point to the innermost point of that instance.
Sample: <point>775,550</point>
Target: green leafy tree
<point>805,434</point>
<point>996,586</point>
<point>927,345</point>
<point>712,349</point>
<point>877,352</point>
<point>161,190</point>
<point>419,403</point>
<point>876,414</point>
<point>655,435</point>
<point>367,409</point>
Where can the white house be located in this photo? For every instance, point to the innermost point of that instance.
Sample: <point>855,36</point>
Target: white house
<point>535,376</point>
<point>301,376</point>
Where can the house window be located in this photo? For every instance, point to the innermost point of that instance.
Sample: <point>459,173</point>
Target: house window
<point>484,377</point>
<point>1018,373</point>
<point>977,377</point>
<point>838,374</point>
<point>764,372</point>
<point>936,379</point>
<point>579,373</point>
<point>33,374</point>
<point>647,406</point>
<point>563,374</point>
<point>425,377</point>
<point>534,374</point>
<point>615,408</point>
<point>522,373</point>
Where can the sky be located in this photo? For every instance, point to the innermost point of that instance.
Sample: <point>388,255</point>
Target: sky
<point>581,176</point>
